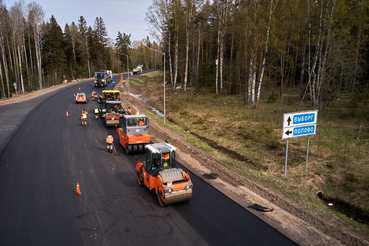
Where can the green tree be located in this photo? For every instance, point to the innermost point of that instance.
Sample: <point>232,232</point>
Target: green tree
<point>53,53</point>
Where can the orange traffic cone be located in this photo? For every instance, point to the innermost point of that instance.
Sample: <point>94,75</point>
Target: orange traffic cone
<point>78,191</point>
<point>67,114</point>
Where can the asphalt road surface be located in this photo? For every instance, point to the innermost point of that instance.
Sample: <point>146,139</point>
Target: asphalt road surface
<point>44,155</point>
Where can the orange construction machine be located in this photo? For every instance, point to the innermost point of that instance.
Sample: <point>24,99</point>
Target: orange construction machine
<point>133,135</point>
<point>171,184</point>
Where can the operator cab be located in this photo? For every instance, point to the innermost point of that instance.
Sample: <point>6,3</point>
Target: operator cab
<point>135,124</point>
<point>158,157</point>
<point>114,107</point>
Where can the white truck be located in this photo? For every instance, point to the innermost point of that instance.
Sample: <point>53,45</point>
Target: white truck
<point>138,69</point>
<point>108,75</point>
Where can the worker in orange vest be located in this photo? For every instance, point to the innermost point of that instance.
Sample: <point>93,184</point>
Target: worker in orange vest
<point>129,110</point>
<point>109,141</point>
<point>84,117</point>
<point>141,122</point>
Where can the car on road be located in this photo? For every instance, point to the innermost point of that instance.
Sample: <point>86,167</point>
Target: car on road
<point>81,97</point>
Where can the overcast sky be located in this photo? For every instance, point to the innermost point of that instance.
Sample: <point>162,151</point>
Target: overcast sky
<point>126,16</point>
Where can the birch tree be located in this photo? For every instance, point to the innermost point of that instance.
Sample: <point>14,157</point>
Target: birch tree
<point>3,28</point>
<point>17,21</point>
<point>265,52</point>
<point>35,18</point>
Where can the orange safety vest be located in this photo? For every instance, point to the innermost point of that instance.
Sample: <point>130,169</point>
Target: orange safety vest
<point>129,110</point>
<point>109,140</point>
<point>141,123</point>
<point>165,156</point>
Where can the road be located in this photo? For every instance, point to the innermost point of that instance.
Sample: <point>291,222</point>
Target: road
<point>47,153</point>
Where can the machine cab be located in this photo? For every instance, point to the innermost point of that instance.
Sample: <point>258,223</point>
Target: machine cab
<point>135,124</point>
<point>115,107</point>
<point>158,157</point>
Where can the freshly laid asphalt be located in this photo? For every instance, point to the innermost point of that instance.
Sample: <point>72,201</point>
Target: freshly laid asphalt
<point>43,154</point>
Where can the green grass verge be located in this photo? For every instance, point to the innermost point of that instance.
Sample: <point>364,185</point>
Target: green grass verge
<point>248,141</point>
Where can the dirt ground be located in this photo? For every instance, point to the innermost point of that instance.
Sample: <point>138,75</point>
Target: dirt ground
<point>301,225</point>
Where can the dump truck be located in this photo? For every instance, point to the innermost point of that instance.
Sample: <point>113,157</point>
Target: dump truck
<point>138,69</point>
<point>99,79</point>
<point>81,97</point>
<point>133,134</point>
<point>158,172</point>
<point>110,107</point>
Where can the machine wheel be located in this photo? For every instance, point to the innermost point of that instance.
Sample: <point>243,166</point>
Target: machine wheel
<point>140,148</point>
<point>159,199</point>
<point>139,177</point>
<point>128,149</point>
<point>135,148</point>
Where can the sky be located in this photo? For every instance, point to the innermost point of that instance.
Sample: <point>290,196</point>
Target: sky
<point>126,16</point>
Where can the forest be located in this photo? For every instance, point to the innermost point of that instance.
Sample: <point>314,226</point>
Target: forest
<point>313,48</point>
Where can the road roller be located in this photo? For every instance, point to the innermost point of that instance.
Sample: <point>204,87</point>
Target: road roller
<point>133,134</point>
<point>158,172</point>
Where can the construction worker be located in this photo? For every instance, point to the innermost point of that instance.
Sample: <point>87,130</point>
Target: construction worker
<point>84,111</point>
<point>141,122</point>
<point>84,118</point>
<point>109,141</point>
<point>115,109</point>
<point>129,110</point>
<point>165,158</point>
<point>96,112</point>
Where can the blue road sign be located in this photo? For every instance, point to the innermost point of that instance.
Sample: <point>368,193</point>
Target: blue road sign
<point>299,131</point>
<point>300,118</point>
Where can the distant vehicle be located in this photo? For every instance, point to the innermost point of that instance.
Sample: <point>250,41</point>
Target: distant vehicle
<point>81,98</point>
<point>100,79</point>
<point>138,69</point>
<point>108,76</point>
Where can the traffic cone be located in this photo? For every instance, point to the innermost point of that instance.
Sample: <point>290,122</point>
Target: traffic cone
<point>67,114</point>
<point>78,191</point>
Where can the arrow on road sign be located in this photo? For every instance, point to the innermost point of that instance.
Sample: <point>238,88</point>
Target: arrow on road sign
<point>288,132</point>
<point>289,120</point>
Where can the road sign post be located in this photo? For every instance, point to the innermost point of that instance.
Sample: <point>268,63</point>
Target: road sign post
<point>299,124</point>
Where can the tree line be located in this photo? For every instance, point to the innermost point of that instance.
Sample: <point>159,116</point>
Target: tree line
<point>316,47</point>
<point>239,47</point>
<point>36,53</point>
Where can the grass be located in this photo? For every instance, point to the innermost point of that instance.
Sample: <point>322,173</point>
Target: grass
<point>249,141</point>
